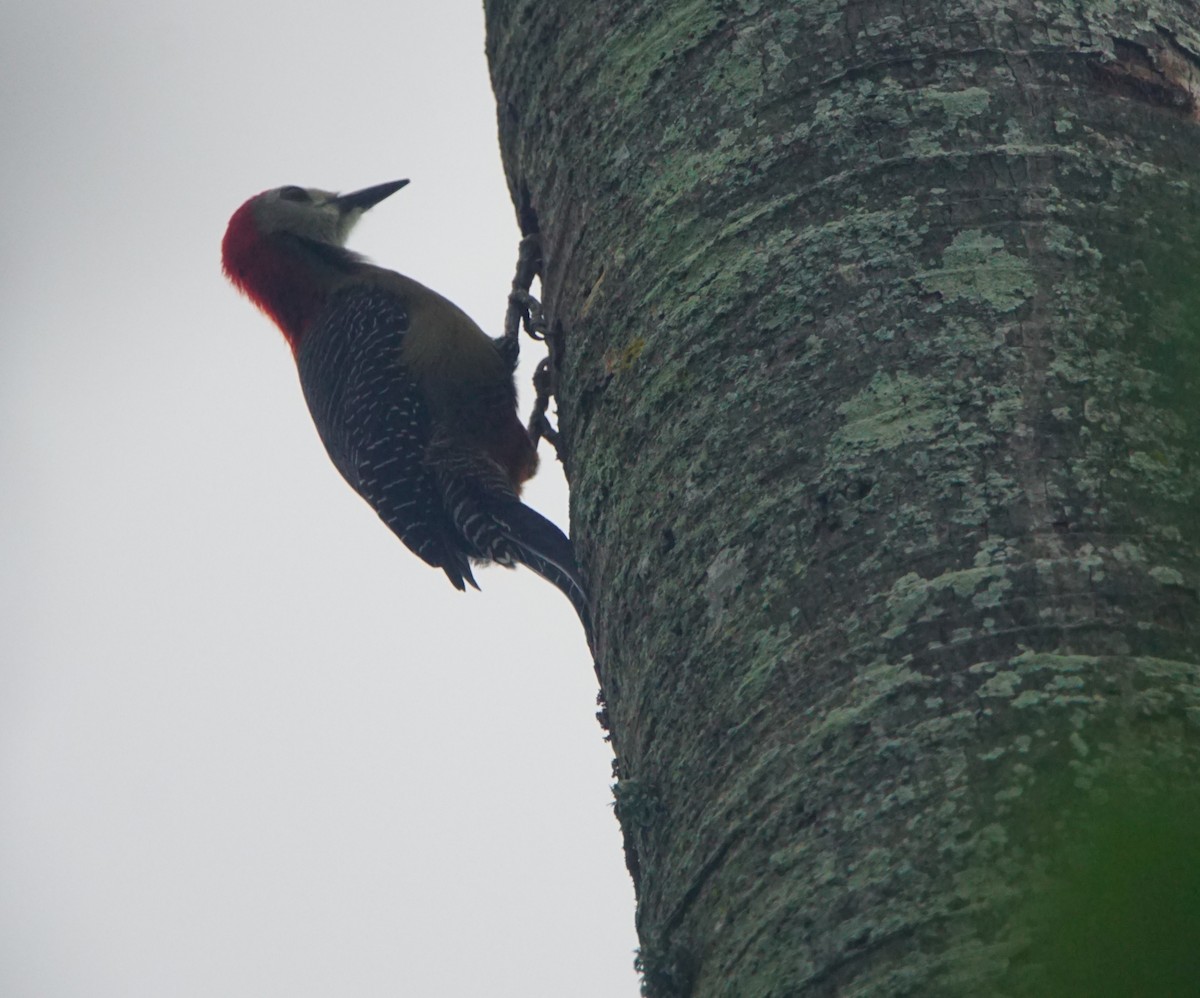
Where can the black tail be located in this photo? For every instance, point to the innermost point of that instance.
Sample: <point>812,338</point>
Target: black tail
<point>500,528</point>
<point>540,545</point>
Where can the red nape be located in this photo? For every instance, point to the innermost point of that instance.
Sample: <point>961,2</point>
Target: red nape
<point>271,275</point>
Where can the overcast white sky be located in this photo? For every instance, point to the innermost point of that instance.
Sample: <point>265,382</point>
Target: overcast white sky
<point>249,745</point>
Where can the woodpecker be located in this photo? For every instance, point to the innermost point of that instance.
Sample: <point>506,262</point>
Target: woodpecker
<point>415,404</point>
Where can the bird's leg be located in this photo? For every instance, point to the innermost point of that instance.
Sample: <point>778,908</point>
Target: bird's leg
<point>539,422</point>
<point>532,316</point>
<point>523,308</point>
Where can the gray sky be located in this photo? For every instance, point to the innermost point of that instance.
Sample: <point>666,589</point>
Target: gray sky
<point>249,745</point>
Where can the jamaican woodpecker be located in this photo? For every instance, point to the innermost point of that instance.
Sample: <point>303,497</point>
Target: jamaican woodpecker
<point>415,404</point>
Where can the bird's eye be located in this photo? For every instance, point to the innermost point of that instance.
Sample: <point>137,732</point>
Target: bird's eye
<point>294,194</point>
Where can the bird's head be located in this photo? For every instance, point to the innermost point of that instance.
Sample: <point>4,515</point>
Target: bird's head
<point>308,213</point>
<point>280,243</point>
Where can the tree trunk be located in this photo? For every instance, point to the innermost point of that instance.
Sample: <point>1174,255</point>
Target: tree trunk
<point>879,388</point>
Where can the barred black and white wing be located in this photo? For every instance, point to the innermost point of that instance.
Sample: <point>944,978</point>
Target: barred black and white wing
<point>374,422</point>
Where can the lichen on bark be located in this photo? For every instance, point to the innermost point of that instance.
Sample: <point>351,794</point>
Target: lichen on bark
<point>880,394</point>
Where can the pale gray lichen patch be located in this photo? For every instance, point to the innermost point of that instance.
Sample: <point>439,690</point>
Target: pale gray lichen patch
<point>1033,679</point>
<point>977,267</point>
<point>1166,576</point>
<point>908,596</point>
<point>893,410</point>
<point>1030,662</point>
<point>878,682</point>
<point>1003,684</point>
<point>911,596</point>
<point>959,104</point>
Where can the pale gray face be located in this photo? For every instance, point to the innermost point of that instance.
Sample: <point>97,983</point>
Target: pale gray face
<point>306,212</point>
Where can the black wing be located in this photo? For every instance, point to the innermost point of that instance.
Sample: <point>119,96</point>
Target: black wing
<point>374,422</point>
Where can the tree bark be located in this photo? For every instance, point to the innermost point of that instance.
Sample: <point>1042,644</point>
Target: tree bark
<point>879,389</point>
